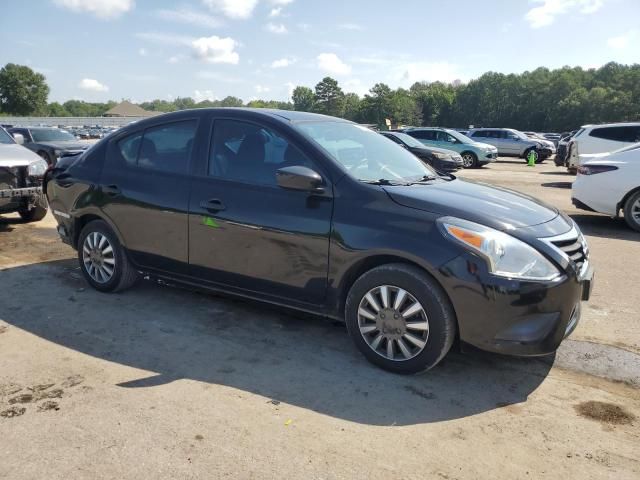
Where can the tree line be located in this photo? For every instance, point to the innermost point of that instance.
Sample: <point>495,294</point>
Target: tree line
<point>540,100</point>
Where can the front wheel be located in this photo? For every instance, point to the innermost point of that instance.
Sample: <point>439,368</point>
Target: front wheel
<point>103,261</point>
<point>469,160</point>
<point>632,211</point>
<point>536,155</point>
<point>400,319</point>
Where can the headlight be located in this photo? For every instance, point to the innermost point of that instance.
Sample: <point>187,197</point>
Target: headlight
<point>506,256</point>
<point>37,168</point>
<point>440,156</point>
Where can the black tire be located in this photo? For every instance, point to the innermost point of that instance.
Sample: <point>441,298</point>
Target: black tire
<point>469,160</point>
<point>438,308</point>
<point>632,211</point>
<point>124,274</point>
<point>35,213</point>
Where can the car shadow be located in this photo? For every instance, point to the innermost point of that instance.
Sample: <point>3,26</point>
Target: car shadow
<point>292,358</point>
<point>600,225</point>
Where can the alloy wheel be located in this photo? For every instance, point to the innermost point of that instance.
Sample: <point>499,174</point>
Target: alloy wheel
<point>635,211</point>
<point>467,160</point>
<point>98,257</point>
<point>393,323</point>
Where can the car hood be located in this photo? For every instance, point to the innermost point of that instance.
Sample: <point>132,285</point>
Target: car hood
<point>495,207</point>
<point>65,145</point>
<point>428,150</point>
<point>484,146</point>
<point>14,155</point>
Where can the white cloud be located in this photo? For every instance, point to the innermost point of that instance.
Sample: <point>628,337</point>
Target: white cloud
<point>355,85</point>
<point>275,12</point>
<point>142,52</point>
<point>350,26</point>
<point>100,8</point>
<point>331,63</point>
<point>216,50</point>
<point>280,2</point>
<point>622,41</point>
<point>237,9</point>
<point>276,28</point>
<point>92,85</point>
<point>190,17</point>
<point>290,88</point>
<point>261,88</point>
<point>283,62</point>
<point>546,13</point>
<point>200,95</point>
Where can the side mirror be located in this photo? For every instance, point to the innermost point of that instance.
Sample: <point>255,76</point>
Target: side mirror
<point>299,178</point>
<point>19,138</point>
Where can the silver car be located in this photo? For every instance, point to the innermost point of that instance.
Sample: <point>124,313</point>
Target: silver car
<point>511,143</point>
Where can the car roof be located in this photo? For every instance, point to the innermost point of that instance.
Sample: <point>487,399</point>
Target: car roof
<point>610,125</point>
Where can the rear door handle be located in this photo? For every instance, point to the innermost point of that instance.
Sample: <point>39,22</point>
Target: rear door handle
<point>112,190</point>
<point>212,205</point>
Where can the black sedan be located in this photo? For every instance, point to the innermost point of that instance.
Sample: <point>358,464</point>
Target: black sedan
<point>445,161</point>
<point>325,216</point>
<point>49,142</point>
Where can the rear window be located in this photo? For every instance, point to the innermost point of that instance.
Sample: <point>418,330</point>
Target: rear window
<point>630,134</point>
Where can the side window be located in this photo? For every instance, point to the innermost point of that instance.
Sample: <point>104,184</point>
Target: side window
<point>168,147</point>
<point>248,153</point>
<point>479,134</point>
<point>420,134</point>
<point>629,134</point>
<point>509,135</point>
<point>129,147</point>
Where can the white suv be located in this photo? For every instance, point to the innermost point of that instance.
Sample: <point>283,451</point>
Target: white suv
<point>601,139</point>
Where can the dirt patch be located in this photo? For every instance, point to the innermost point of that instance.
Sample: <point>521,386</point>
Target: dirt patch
<point>48,405</point>
<point>419,393</point>
<point>13,412</point>
<point>40,388</point>
<point>605,413</point>
<point>36,396</point>
<point>9,389</point>
<point>3,328</point>
<point>72,381</point>
<point>24,398</point>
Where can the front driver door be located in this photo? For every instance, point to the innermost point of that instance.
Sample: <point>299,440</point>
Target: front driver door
<point>246,232</point>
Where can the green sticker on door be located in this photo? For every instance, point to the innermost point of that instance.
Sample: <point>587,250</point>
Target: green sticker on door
<point>210,222</point>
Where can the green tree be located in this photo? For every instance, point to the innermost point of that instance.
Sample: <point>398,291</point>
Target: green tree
<point>329,97</point>
<point>231,102</point>
<point>22,91</point>
<point>352,106</point>
<point>56,110</point>
<point>303,99</point>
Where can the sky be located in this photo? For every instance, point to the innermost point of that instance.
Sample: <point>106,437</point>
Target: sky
<point>98,50</point>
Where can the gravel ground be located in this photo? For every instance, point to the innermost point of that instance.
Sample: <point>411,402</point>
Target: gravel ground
<point>161,382</point>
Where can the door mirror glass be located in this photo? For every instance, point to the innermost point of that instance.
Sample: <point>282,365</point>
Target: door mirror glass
<point>19,138</point>
<point>299,178</point>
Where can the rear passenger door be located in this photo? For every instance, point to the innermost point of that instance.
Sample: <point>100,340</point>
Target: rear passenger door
<point>145,192</point>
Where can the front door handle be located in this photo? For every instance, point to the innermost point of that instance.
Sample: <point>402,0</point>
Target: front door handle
<point>212,205</point>
<point>112,190</point>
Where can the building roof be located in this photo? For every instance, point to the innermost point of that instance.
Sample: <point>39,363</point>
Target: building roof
<point>128,109</point>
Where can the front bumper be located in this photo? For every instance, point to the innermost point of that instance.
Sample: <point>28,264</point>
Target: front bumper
<point>490,157</point>
<point>21,192</point>
<point>510,316</point>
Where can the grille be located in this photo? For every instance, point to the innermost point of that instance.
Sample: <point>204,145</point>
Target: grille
<point>12,177</point>
<point>575,248</point>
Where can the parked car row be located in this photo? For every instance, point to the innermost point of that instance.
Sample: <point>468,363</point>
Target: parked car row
<point>50,143</point>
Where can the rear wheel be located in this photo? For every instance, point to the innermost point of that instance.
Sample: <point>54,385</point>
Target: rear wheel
<point>469,160</point>
<point>632,211</point>
<point>400,319</point>
<point>103,261</point>
<point>536,156</point>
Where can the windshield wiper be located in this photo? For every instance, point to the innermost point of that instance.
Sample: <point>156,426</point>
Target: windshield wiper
<point>384,181</point>
<point>423,179</point>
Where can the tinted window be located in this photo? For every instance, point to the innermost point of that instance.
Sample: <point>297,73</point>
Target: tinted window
<point>619,134</point>
<point>51,135</point>
<point>168,147</point>
<point>479,133</point>
<point>129,147</point>
<point>249,153</point>
<point>421,134</point>
<point>5,137</point>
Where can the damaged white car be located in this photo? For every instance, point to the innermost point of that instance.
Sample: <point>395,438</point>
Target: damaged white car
<point>21,175</point>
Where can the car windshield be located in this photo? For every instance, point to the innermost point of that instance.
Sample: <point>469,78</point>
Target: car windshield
<point>5,137</point>
<point>407,140</point>
<point>51,135</point>
<point>459,136</point>
<point>365,154</point>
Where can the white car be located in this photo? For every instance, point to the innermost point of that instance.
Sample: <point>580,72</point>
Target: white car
<point>21,175</point>
<point>601,139</point>
<point>610,182</point>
